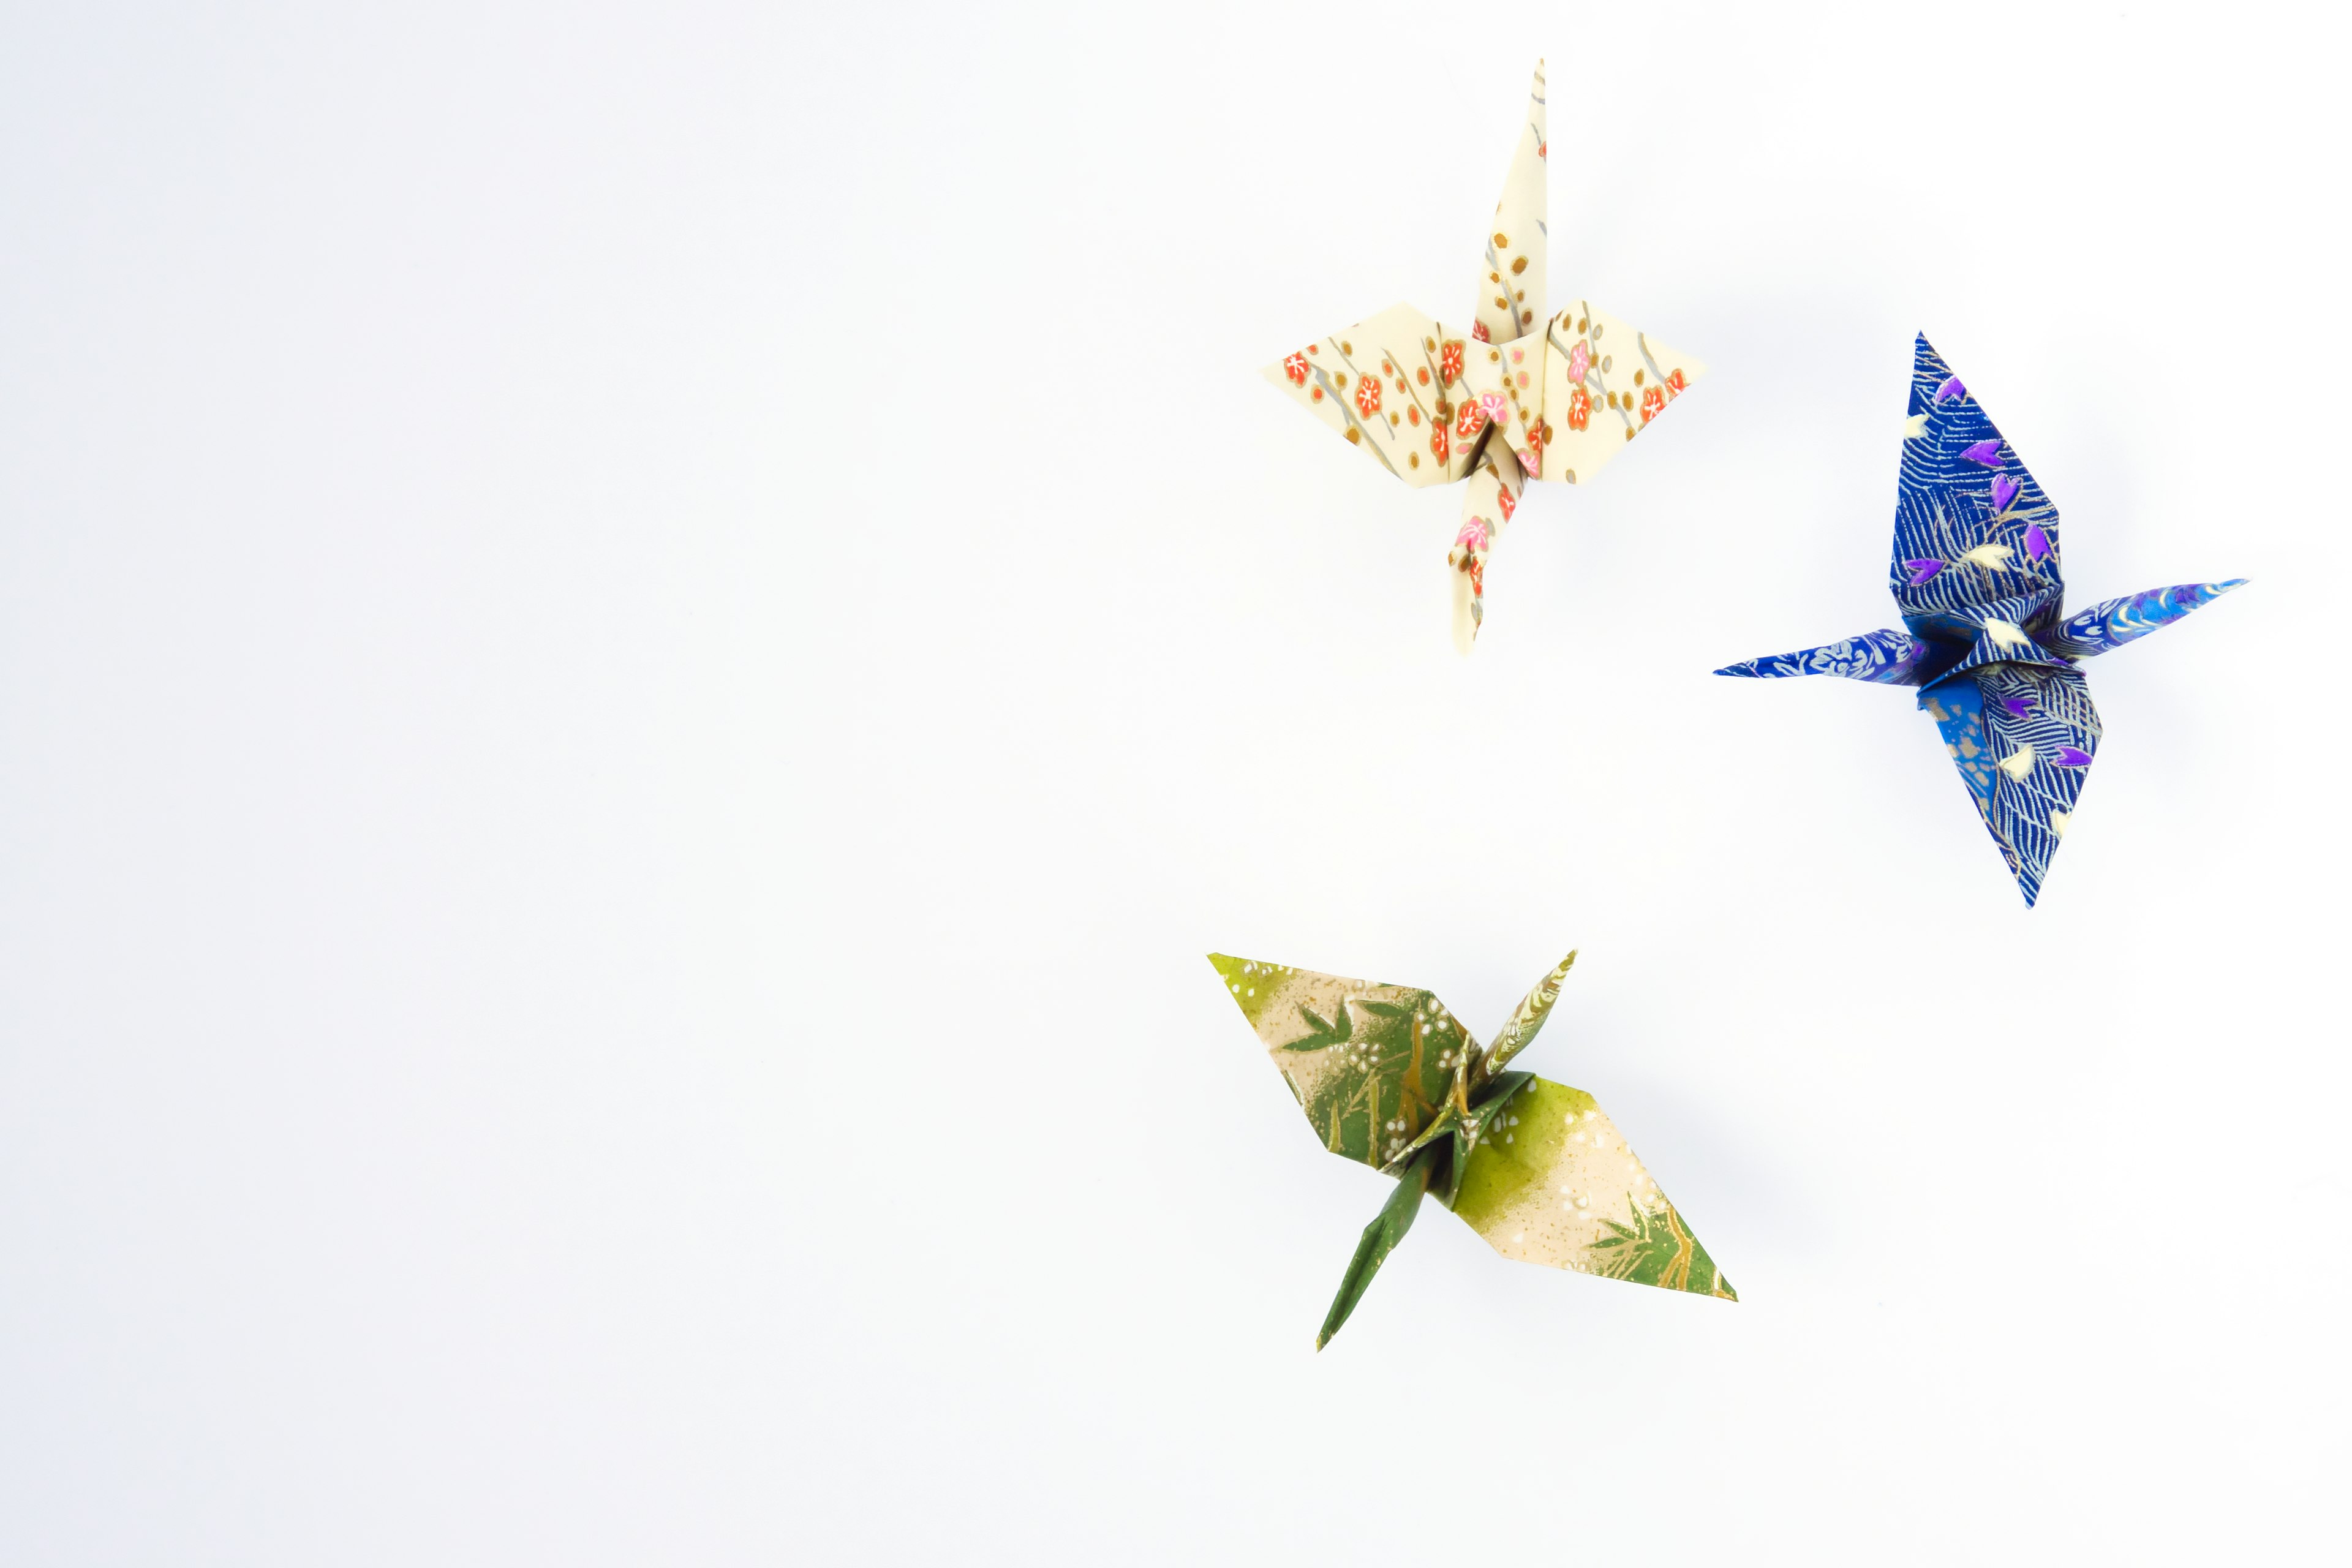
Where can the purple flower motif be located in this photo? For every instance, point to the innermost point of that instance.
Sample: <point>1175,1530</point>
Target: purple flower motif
<point>1950,389</point>
<point>2004,491</point>
<point>2037,543</point>
<point>1986,454</point>
<point>2068,757</point>
<point>2019,706</point>
<point>1923,570</point>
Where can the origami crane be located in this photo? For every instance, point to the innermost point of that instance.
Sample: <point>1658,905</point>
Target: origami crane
<point>1388,1077</point>
<point>1976,575</point>
<point>1524,393</point>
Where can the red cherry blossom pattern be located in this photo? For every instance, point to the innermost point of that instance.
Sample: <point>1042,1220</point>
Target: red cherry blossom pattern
<point>1368,395</point>
<point>1449,362</point>
<point>1580,409</point>
<point>1294,367</point>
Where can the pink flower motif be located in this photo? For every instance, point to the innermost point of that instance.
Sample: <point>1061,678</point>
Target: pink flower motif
<point>1580,361</point>
<point>1493,404</point>
<point>1294,367</point>
<point>1474,535</point>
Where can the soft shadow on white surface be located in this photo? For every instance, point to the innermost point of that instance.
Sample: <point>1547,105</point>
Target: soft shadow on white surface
<point>639,652</point>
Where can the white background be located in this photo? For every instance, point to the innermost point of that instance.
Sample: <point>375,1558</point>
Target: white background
<point>640,648</point>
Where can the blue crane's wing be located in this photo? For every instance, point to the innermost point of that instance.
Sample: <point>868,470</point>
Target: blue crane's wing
<point>1889,658</point>
<point>1971,525</point>
<point>2022,736</point>
<point>2130,619</point>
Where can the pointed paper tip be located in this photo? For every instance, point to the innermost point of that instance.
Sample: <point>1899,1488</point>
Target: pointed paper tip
<point>2231,586</point>
<point>1748,669</point>
<point>1724,1286</point>
<point>1320,1341</point>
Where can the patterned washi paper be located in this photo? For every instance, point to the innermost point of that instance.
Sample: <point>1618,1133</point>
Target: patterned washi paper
<point>1986,639</point>
<point>1390,1078</point>
<point>1518,393</point>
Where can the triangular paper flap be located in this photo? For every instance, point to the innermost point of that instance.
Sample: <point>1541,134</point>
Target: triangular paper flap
<point>1511,277</point>
<point>1390,386</point>
<point>1605,382</point>
<point>1553,1182</point>
<point>1371,1065</point>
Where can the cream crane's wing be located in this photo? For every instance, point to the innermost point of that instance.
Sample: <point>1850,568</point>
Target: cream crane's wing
<point>1392,386</point>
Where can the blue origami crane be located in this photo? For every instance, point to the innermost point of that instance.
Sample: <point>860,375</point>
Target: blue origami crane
<point>1976,575</point>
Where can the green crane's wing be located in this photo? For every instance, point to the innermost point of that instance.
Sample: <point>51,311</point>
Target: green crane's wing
<point>1550,1180</point>
<point>1372,1065</point>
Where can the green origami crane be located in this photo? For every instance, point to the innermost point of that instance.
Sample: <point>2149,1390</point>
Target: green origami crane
<point>1386,1075</point>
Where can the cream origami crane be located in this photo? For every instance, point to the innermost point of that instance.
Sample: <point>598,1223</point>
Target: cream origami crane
<point>1524,393</point>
